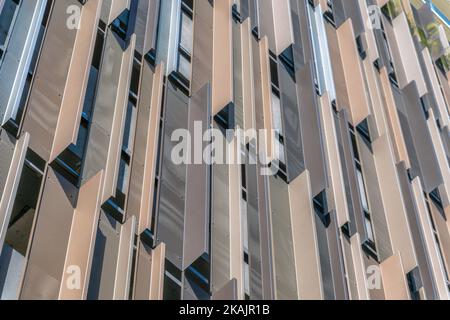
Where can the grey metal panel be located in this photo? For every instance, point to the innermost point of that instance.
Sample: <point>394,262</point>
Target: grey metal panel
<point>325,263</point>
<point>18,57</point>
<point>202,48</point>
<point>336,259</point>
<point>106,108</point>
<point>196,226</point>
<point>11,183</point>
<point>237,75</point>
<point>311,129</point>
<point>7,143</point>
<point>104,263</point>
<point>140,142</point>
<point>50,80</point>
<point>143,272</point>
<point>50,240</point>
<point>146,25</point>
<point>377,211</point>
<point>254,240</point>
<point>353,11</point>
<point>349,174</point>
<point>420,143</point>
<point>227,292</point>
<point>220,228</point>
<point>170,228</point>
<point>291,121</point>
<point>283,249</point>
<point>111,9</point>
<point>12,264</point>
<point>416,233</point>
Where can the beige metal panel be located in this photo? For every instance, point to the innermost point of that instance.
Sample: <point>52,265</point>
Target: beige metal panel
<point>284,34</point>
<point>50,239</point>
<point>360,269</point>
<point>149,275</point>
<point>50,80</point>
<point>393,202</point>
<point>116,134</point>
<point>125,260</point>
<point>429,239</point>
<point>222,74</point>
<point>355,90</point>
<point>337,197</point>
<point>142,276</point>
<point>157,273</point>
<point>306,251</point>
<point>394,278</point>
<point>404,53</point>
<point>12,183</point>
<point>441,158</point>
<point>396,133</point>
<point>66,131</point>
<point>148,177</point>
<point>248,90</point>
<point>82,241</point>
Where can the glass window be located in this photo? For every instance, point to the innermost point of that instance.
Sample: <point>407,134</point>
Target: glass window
<point>362,190</point>
<point>276,112</point>
<point>7,16</point>
<point>186,32</point>
<point>184,67</point>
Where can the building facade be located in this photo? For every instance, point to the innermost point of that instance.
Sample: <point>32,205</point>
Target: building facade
<point>345,197</point>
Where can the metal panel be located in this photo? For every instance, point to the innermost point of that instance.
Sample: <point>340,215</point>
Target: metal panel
<point>283,250</point>
<point>66,131</point>
<point>8,194</point>
<point>202,48</point>
<point>227,292</point>
<point>104,263</point>
<point>146,25</point>
<point>51,76</point>
<point>307,260</point>
<point>124,270</point>
<point>50,240</point>
<point>291,124</point>
<point>82,240</point>
<point>196,222</point>
<point>18,57</point>
<point>220,228</point>
<point>112,9</point>
<point>311,129</point>
<point>170,228</point>
<point>149,278</point>
<point>222,73</point>
<point>105,143</point>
